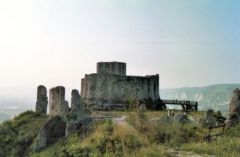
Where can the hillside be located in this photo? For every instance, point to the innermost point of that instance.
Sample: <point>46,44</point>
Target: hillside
<point>138,136</point>
<point>17,135</point>
<point>216,97</point>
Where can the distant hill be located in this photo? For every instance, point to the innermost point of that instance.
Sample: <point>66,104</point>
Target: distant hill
<point>216,97</point>
<point>11,107</point>
<point>12,104</point>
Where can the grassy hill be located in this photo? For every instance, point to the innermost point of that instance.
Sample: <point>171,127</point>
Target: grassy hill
<point>216,97</point>
<point>141,135</point>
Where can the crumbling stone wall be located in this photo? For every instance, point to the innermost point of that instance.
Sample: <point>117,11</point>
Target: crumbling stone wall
<point>77,118</point>
<point>62,121</point>
<point>76,105</point>
<point>42,100</point>
<point>58,106</point>
<point>116,89</point>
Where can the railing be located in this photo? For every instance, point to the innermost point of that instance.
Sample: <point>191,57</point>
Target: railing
<point>209,135</point>
<point>186,104</point>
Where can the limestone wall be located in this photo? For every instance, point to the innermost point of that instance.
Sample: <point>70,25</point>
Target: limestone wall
<point>116,88</point>
<point>117,68</point>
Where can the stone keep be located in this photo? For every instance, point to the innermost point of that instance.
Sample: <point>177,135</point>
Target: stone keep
<point>57,103</point>
<point>111,85</point>
<point>42,100</point>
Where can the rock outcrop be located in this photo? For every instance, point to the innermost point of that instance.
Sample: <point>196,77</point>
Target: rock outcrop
<point>77,119</point>
<point>57,103</point>
<point>50,133</point>
<point>42,100</point>
<point>234,109</point>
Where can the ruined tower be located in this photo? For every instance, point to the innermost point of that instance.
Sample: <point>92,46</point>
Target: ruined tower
<point>57,103</point>
<point>42,100</point>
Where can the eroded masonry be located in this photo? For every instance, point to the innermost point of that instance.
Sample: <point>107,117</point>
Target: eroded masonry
<point>111,88</point>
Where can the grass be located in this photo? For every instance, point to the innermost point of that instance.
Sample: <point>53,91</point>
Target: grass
<point>107,140</point>
<point>227,145</point>
<point>144,136</point>
<point>17,135</point>
<point>223,146</point>
<point>164,131</point>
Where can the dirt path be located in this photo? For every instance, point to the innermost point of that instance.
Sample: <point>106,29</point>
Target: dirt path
<point>121,120</point>
<point>178,153</point>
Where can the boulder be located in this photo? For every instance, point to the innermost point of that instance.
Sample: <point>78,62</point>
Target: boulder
<point>42,100</point>
<point>52,130</point>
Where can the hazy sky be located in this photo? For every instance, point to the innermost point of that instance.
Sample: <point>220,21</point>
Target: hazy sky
<point>56,42</point>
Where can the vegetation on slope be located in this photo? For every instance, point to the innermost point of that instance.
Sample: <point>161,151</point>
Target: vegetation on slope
<point>144,135</point>
<point>164,131</point>
<point>187,137</point>
<point>227,145</point>
<point>108,139</point>
<point>17,135</point>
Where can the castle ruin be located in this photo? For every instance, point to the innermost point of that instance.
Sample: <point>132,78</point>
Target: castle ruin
<point>110,88</point>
